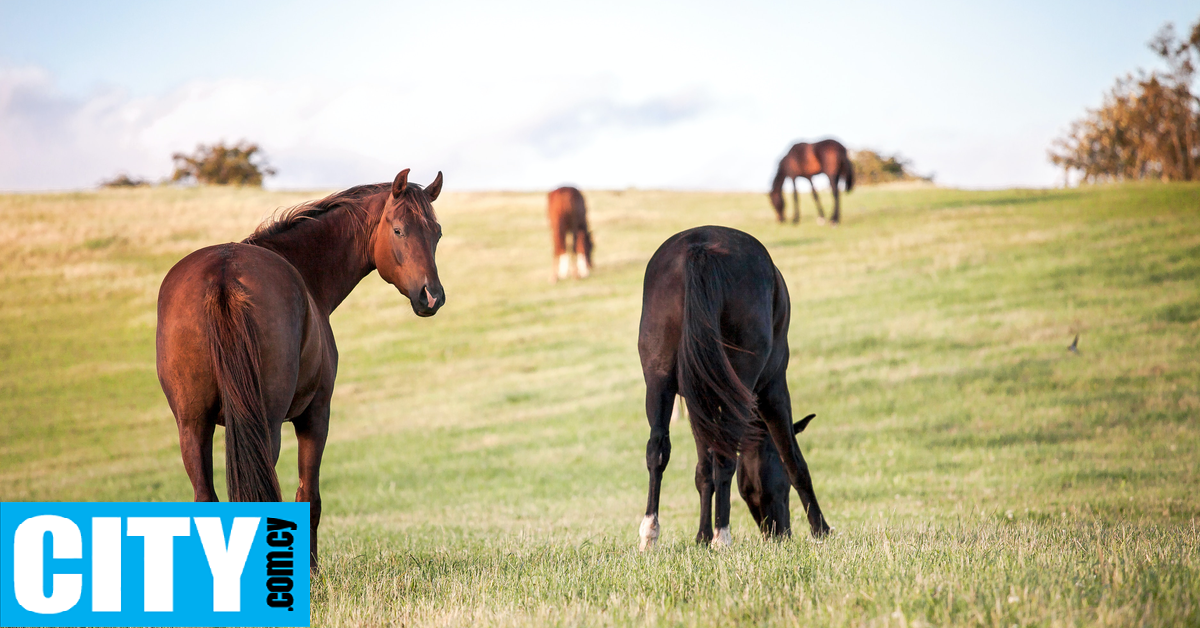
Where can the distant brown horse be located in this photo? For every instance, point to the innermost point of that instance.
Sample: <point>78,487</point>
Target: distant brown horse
<point>244,338</point>
<point>826,157</point>
<point>568,217</point>
<point>715,316</point>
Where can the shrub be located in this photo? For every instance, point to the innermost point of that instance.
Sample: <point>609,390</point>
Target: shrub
<point>873,167</point>
<point>123,180</point>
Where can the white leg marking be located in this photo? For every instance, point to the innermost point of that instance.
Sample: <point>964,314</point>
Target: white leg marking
<point>820,220</point>
<point>648,532</point>
<point>581,265</point>
<point>723,538</point>
<point>564,266</point>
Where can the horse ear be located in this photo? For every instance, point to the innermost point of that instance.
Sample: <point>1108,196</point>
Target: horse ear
<point>400,183</point>
<point>802,423</point>
<point>435,188</point>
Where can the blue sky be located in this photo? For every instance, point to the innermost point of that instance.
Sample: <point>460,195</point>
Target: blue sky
<point>526,95</point>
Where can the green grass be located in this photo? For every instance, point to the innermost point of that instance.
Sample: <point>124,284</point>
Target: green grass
<point>486,466</point>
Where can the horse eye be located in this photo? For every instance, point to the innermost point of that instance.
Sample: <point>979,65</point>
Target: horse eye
<point>398,231</point>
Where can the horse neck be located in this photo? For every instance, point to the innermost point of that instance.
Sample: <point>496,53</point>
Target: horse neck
<point>780,175</point>
<point>332,251</point>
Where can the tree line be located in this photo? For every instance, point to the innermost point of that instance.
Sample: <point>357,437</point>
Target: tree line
<point>1148,126</point>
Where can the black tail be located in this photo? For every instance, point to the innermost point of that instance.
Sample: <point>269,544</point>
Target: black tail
<point>848,169</point>
<point>233,347</point>
<point>722,408</point>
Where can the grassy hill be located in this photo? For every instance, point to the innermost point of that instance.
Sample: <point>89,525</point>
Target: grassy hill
<point>487,465</point>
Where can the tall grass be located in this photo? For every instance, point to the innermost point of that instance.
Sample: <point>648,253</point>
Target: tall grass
<point>487,465</point>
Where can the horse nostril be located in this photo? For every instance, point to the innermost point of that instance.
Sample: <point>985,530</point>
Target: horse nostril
<point>430,300</point>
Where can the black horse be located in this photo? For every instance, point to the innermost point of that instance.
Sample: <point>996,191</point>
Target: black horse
<point>715,314</point>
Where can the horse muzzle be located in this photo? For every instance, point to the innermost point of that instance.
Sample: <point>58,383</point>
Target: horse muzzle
<point>429,300</point>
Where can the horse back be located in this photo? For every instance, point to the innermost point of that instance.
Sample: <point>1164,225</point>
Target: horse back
<point>806,160</point>
<point>291,342</point>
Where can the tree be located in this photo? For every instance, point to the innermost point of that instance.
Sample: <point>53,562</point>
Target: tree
<point>873,167</point>
<point>1148,126</point>
<point>240,164</point>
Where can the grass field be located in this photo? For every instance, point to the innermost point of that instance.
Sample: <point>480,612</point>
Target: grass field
<point>486,466</point>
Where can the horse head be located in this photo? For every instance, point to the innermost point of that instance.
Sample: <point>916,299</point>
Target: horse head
<point>406,240</point>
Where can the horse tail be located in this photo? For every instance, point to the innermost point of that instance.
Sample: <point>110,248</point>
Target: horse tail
<point>848,169</point>
<point>722,408</point>
<point>233,348</point>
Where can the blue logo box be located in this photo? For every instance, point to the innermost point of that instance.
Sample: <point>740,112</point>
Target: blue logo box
<point>154,564</point>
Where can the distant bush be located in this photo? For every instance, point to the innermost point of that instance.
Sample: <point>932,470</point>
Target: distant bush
<point>218,164</point>
<point>872,167</point>
<point>123,181</point>
<point>1148,126</point>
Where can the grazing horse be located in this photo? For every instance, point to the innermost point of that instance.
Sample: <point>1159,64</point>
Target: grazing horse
<point>715,315</point>
<point>244,338</point>
<point>808,160</point>
<point>568,216</point>
<point>763,485</point>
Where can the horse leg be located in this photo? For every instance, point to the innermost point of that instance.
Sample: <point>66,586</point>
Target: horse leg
<point>559,239</point>
<point>775,404</point>
<point>817,200</point>
<point>795,202</point>
<point>704,486</point>
<point>837,201</point>
<point>196,446</point>
<point>723,468</point>
<point>312,427</point>
<point>660,395</point>
<point>581,265</point>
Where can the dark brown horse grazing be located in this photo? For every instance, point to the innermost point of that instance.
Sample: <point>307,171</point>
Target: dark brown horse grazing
<point>244,338</point>
<point>826,157</point>
<point>715,314</point>
<point>568,216</point>
<point>763,485</point>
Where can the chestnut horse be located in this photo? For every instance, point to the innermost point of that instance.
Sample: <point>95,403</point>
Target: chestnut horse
<point>826,157</point>
<point>763,485</point>
<point>715,315</point>
<point>244,338</point>
<point>568,216</point>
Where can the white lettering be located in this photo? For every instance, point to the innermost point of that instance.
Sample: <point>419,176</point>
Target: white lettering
<point>65,542</point>
<point>159,533</point>
<point>106,564</point>
<point>227,562</point>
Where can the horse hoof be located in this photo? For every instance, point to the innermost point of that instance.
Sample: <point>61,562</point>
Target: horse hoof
<point>723,539</point>
<point>648,532</point>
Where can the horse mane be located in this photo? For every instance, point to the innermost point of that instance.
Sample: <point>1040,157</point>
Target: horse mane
<point>355,200</point>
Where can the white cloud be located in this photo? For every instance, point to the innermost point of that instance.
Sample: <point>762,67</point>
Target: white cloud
<point>49,140</point>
